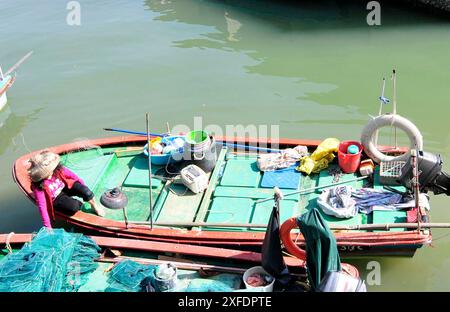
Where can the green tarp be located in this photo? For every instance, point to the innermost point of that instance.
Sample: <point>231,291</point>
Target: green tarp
<point>321,249</point>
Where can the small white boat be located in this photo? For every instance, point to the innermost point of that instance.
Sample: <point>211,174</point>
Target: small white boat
<point>5,83</point>
<point>6,80</point>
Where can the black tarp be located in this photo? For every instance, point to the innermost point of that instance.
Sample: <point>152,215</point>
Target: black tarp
<point>272,256</point>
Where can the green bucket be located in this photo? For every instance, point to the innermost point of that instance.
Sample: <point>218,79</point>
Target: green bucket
<point>196,137</point>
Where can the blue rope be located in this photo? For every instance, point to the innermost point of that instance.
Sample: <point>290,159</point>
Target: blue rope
<point>235,145</point>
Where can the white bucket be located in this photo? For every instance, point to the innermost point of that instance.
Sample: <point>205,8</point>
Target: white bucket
<point>260,270</point>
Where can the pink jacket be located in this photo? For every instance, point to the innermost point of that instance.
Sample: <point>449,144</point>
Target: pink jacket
<point>43,200</point>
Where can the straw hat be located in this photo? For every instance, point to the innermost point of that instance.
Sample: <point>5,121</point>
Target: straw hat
<point>43,165</point>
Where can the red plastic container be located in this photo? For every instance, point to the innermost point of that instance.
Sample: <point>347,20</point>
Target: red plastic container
<point>349,163</point>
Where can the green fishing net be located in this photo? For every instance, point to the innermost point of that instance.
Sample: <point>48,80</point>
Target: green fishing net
<point>130,276</point>
<point>54,261</point>
<point>58,261</point>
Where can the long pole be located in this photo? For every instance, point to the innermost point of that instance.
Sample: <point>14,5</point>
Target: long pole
<point>308,190</point>
<point>381,226</point>
<point>149,148</point>
<point>416,186</point>
<point>235,145</point>
<point>380,110</point>
<point>15,66</point>
<point>185,265</point>
<point>394,77</point>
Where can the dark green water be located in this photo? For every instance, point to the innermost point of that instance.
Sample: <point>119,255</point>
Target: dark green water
<point>313,69</point>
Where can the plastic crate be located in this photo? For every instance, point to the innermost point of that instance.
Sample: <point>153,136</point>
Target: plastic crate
<point>390,172</point>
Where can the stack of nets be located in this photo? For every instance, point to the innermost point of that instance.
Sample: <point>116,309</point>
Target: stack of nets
<point>54,261</point>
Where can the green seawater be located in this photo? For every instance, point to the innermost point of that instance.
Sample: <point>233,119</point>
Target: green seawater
<point>313,69</point>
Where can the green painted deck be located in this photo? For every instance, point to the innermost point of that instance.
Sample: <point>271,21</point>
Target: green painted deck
<point>234,188</point>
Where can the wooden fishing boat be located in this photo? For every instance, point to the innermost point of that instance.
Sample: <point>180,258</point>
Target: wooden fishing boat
<point>227,214</point>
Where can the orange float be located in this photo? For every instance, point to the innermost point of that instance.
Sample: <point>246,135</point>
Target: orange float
<point>295,250</point>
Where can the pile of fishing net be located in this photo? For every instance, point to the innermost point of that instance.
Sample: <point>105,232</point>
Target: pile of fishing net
<point>131,276</point>
<point>58,261</point>
<point>54,261</point>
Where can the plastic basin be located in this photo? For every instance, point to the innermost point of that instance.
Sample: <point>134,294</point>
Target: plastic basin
<point>260,270</point>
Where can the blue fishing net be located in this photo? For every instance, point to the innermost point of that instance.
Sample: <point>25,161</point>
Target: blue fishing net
<point>54,261</point>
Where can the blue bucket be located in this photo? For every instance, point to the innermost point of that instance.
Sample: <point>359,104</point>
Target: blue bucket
<point>174,156</point>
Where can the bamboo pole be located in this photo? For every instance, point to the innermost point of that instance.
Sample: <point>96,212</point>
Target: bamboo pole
<point>415,183</point>
<point>381,226</point>
<point>179,265</point>
<point>394,77</point>
<point>15,66</point>
<point>309,190</point>
<point>185,265</point>
<point>149,170</point>
<point>381,108</point>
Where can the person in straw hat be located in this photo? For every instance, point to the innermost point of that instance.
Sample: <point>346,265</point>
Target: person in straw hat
<point>53,186</point>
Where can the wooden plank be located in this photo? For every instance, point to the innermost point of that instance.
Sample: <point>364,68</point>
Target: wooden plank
<point>180,204</point>
<point>203,209</point>
<point>185,249</point>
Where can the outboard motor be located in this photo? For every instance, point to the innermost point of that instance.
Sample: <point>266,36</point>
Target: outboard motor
<point>431,177</point>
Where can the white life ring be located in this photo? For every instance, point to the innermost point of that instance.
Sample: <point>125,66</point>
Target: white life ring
<point>367,136</point>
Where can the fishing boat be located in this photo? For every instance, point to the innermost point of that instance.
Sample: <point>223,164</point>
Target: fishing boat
<point>232,212</point>
<point>7,80</point>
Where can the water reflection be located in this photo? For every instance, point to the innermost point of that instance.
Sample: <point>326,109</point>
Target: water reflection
<point>233,27</point>
<point>12,126</point>
<point>332,58</point>
<point>289,15</point>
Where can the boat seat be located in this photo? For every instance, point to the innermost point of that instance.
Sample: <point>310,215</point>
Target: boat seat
<point>138,175</point>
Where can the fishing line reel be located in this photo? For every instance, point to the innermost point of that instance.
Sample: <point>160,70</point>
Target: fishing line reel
<point>431,176</point>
